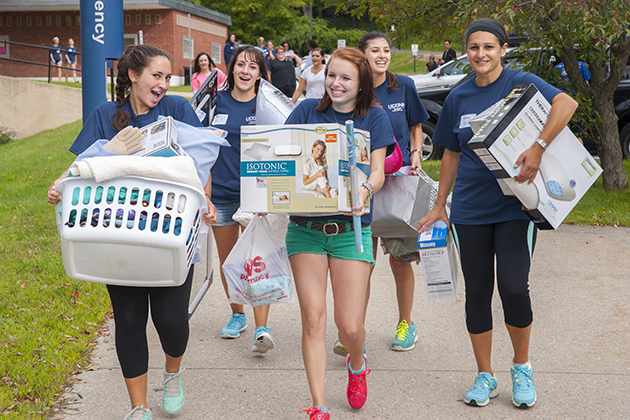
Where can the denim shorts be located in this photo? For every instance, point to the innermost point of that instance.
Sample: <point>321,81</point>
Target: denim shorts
<point>225,211</point>
<point>304,240</point>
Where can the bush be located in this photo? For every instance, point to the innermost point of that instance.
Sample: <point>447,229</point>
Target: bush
<point>6,135</point>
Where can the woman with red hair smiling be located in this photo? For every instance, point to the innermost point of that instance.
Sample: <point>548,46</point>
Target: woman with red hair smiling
<point>318,244</point>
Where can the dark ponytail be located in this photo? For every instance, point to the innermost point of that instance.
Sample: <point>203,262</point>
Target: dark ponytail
<point>135,58</point>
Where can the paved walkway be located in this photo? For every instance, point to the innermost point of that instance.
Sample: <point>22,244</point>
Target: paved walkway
<point>580,288</point>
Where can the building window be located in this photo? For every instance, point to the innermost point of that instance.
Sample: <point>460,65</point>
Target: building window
<point>38,20</point>
<point>188,48</point>
<point>4,47</point>
<point>48,20</point>
<point>216,53</point>
<point>68,20</point>
<point>128,20</point>
<point>158,19</point>
<point>9,21</point>
<point>130,39</point>
<point>18,21</point>
<point>138,20</point>
<point>147,19</point>
<point>58,20</point>
<point>29,21</point>
<point>77,20</point>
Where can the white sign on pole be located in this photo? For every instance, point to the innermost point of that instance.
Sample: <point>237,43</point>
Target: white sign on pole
<point>414,49</point>
<point>140,37</point>
<point>341,43</point>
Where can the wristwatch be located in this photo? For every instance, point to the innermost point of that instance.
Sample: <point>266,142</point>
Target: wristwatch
<point>542,143</point>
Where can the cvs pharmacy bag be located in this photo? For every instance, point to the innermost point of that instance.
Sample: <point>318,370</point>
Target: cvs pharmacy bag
<point>257,271</point>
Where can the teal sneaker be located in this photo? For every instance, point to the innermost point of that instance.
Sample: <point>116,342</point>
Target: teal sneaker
<point>173,396</point>
<point>406,337</point>
<point>139,413</point>
<point>263,341</point>
<point>234,327</point>
<point>485,387</point>
<point>523,389</point>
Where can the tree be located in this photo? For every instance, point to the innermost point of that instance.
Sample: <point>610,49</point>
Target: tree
<point>596,31</point>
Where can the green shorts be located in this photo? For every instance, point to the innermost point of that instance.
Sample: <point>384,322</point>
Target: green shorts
<point>304,240</point>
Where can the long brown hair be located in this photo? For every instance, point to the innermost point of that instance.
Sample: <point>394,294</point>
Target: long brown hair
<point>365,97</point>
<point>135,58</point>
<point>252,54</point>
<point>322,159</point>
<point>392,81</point>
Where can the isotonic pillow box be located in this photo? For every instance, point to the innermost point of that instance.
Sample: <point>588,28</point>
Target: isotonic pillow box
<point>439,261</point>
<point>160,139</point>
<point>567,169</point>
<point>275,158</point>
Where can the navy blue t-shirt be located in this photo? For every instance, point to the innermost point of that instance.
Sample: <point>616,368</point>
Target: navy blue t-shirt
<point>71,53</point>
<point>376,122</point>
<point>230,115</point>
<point>99,124</point>
<point>404,109</point>
<point>55,50</point>
<point>477,197</point>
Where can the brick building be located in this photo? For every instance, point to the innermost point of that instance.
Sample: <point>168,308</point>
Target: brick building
<point>162,23</point>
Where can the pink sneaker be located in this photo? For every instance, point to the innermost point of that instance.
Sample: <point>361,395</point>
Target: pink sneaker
<point>357,386</point>
<point>317,412</point>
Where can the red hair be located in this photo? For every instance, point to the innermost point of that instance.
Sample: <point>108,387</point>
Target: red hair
<point>366,98</point>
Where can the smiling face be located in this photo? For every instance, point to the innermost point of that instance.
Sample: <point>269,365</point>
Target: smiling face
<point>317,151</point>
<point>246,73</point>
<point>316,58</point>
<point>150,86</point>
<point>485,53</point>
<point>379,56</point>
<point>342,84</point>
<point>204,62</point>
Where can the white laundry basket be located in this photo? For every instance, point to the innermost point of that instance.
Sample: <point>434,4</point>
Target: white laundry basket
<point>130,231</point>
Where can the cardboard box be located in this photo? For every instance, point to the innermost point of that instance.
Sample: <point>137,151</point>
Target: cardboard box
<point>273,163</point>
<point>439,261</point>
<point>160,139</point>
<point>567,169</point>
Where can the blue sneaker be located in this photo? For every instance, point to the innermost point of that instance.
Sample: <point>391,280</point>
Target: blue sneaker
<point>406,337</point>
<point>139,413</point>
<point>173,396</point>
<point>236,324</point>
<point>263,341</point>
<point>485,387</point>
<point>523,389</point>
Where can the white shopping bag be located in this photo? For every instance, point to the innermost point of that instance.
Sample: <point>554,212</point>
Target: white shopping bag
<point>257,271</point>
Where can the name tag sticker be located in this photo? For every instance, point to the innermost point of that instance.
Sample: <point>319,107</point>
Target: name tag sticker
<point>464,121</point>
<point>220,119</point>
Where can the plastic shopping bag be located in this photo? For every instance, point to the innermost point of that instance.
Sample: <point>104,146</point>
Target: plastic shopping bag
<point>279,222</point>
<point>272,107</point>
<point>257,271</point>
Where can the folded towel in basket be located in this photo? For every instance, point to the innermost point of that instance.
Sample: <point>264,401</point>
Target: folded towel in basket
<point>177,168</point>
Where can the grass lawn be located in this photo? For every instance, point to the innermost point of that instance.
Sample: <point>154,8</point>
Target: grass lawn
<point>48,322</point>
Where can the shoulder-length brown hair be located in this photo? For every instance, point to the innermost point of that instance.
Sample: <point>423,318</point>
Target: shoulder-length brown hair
<point>392,81</point>
<point>252,54</point>
<point>365,96</point>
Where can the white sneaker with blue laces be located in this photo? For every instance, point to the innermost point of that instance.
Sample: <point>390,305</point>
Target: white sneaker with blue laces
<point>263,341</point>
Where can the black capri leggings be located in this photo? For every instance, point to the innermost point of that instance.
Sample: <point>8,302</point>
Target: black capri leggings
<point>169,312</point>
<point>513,244</point>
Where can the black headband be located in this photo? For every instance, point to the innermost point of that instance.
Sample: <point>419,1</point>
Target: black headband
<point>487,27</point>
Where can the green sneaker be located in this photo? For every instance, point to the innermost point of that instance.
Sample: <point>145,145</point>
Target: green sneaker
<point>139,413</point>
<point>173,397</point>
<point>523,389</point>
<point>485,387</point>
<point>406,337</point>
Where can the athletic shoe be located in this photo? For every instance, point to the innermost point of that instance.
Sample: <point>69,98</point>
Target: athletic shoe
<point>317,412</point>
<point>139,413</point>
<point>340,349</point>
<point>485,387</point>
<point>236,324</point>
<point>406,337</point>
<point>173,396</point>
<point>263,341</point>
<point>523,389</point>
<point>357,386</point>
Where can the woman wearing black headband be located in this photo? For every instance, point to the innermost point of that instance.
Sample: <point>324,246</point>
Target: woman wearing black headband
<point>485,223</point>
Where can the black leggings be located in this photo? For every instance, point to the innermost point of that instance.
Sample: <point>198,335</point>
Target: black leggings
<point>169,312</point>
<point>512,243</point>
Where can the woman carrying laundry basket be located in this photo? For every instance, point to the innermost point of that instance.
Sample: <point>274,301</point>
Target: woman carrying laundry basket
<point>144,74</point>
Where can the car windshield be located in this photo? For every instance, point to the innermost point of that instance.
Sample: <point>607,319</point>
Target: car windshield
<point>460,66</point>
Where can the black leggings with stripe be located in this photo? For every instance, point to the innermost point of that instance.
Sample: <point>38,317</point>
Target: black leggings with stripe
<point>169,312</point>
<point>512,243</point>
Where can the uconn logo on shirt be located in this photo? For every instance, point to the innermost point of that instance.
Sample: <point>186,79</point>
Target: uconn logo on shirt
<point>398,107</point>
<point>251,119</point>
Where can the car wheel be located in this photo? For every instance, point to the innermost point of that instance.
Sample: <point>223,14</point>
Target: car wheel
<point>429,150</point>
<point>624,138</point>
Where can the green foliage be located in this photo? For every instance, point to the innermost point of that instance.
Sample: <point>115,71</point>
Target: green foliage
<point>325,36</point>
<point>6,135</point>
<point>48,322</point>
<point>254,18</point>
